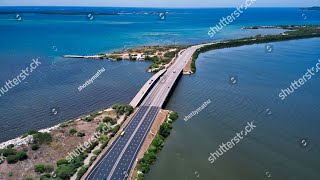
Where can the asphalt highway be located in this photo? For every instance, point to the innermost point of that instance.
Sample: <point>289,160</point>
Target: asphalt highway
<point>117,162</point>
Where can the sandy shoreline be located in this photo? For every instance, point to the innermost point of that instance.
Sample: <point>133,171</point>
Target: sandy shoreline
<point>19,141</point>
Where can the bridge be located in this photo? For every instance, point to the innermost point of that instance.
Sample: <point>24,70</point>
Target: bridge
<point>116,163</point>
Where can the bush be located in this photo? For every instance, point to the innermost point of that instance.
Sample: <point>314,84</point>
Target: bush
<point>62,161</point>
<point>21,155</point>
<point>173,116</point>
<point>35,147</point>
<point>101,128</point>
<point>72,131</point>
<point>42,138</point>
<point>11,159</point>
<point>81,134</point>
<point>97,152</point>
<point>32,132</point>
<point>29,178</point>
<point>141,177</point>
<point>108,119</point>
<point>88,118</point>
<point>7,152</point>
<point>91,147</point>
<point>46,176</point>
<point>165,129</point>
<point>81,172</point>
<point>122,109</point>
<point>116,129</point>
<point>41,168</point>
<point>65,171</point>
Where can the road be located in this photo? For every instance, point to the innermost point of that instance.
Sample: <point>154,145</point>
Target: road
<point>117,162</point>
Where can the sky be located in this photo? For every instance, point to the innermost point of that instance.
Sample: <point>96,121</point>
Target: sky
<point>161,3</point>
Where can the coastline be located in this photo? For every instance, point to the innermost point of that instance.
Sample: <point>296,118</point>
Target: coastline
<point>212,46</point>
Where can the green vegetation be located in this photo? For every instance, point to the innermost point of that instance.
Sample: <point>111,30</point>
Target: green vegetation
<point>42,138</point>
<point>81,134</point>
<point>122,109</point>
<point>81,172</point>
<point>109,120</point>
<point>32,132</point>
<point>29,178</point>
<point>72,131</point>
<point>65,170</point>
<point>173,116</point>
<point>102,127</point>
<point>46,176</point>
<point>42,168</point>
<point>295,32</point>
<point>35,147</point>
<point>97,152</point>
<point>157,144</point>
<point>13,156</point>
<point>88,118</point>
<point>116,129</point>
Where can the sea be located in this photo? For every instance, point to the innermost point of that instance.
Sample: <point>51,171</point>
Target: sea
<point>286,142</point>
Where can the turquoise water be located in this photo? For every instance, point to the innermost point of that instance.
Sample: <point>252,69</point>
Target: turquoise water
<point>272,147</point>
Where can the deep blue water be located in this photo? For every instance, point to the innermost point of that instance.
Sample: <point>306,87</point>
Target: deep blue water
<point>272,147</point>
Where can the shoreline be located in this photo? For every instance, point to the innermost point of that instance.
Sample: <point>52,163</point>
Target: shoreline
<point>314,32</point>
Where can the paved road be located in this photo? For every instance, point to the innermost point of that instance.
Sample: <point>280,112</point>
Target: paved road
<point>117,162</point>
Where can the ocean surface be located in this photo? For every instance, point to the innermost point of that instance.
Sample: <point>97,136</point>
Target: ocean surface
<point>272,150</point>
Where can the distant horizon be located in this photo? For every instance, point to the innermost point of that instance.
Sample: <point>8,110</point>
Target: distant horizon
<point>160,4</point>
<point>155,7</point>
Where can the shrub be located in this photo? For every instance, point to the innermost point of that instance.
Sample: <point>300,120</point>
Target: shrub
<point>107,119</point>
<point>115,129</point>
<point>173,116</point>
<point>81,172</point>
<point>11,159</point>
<point>165,129</point>
<point>97,152</point>
<point>72,131</point>
<point>35,147</point>
<point>122,109</point>
<point>62,161</point>
<point>7,152</point>
<point>21,155</point>
<point>41,168</point>
<point>88,118</point>
<point>81,134</point>
<point>141,177</point>
<point>65,171</point>
<point>42,138</point>
<point>32,132</point>
<point>29,178</point>
<point>46,176</point>
<point>102,127</point>
<point>91,147</point>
